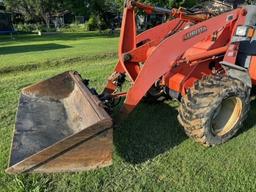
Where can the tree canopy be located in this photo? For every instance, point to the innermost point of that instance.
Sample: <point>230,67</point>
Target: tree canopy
<point>43,10</point>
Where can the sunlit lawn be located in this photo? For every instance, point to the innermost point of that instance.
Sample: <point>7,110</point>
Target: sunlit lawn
<point>151,152</point>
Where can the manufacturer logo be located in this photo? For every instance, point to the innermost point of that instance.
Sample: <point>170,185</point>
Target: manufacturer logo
<point>194,33</point>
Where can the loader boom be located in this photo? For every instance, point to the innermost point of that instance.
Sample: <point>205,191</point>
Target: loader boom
<point>130,41</point>
<point>155,53</point>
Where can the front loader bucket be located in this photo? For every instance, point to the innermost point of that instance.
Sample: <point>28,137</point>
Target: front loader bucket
<point>60,127</point>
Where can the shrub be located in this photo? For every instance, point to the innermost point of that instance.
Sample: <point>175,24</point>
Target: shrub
<point>26,28</point>
<point>92,24</point>
<point>32,28</point>
<point>76,28</point>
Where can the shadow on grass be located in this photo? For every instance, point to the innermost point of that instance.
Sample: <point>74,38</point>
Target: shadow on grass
<point>5,40</point>
<point>153,129</point>
<point>55,63</point>
<point>149,131</point>
<point>250,122</point>
<point>31,48</point>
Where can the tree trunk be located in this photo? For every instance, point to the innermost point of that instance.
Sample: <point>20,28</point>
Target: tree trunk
<point>46,18</point>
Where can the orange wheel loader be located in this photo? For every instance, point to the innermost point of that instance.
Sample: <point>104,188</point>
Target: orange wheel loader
<point>206,62</point>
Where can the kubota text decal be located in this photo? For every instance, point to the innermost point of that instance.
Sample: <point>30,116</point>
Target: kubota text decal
<point>194,33</point>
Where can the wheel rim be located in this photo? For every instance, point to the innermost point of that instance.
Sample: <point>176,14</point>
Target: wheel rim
<point>226,116</point>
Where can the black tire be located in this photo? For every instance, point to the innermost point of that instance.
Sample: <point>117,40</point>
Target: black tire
<point>214,109</point>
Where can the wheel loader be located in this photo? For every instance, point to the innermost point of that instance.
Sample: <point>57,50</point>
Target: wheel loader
<point>206,62</point>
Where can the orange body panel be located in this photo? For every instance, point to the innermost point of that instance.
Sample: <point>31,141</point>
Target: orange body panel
<point>252,70</point>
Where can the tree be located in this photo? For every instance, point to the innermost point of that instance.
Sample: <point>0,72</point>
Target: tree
<point>78,7</point>
<point>103,10</point>
<point>35,9</point>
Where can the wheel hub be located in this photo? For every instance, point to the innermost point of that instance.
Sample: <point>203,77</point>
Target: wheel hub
<point>226,116</point>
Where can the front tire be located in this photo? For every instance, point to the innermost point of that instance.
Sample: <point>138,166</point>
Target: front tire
<point>214,109</point>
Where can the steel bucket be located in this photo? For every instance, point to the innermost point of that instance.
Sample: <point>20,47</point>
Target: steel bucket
<point>60,127</point>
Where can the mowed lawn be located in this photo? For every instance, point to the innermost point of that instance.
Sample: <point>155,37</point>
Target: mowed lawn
<point>151,151</point>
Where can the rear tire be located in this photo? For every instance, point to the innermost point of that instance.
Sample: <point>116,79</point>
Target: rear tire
<point>214,109</point>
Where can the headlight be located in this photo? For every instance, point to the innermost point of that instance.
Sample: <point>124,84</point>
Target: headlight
<point>242,31</point>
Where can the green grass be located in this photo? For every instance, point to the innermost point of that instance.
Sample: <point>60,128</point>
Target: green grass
<point>151,152</point>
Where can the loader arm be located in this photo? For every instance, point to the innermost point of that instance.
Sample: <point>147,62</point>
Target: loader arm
<point>130,42</point>
<point>145,58</point>
<point>162,60</point>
